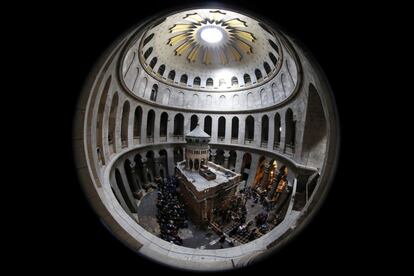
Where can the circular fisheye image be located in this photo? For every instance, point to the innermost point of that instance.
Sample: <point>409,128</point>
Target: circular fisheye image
<point>209,137</point>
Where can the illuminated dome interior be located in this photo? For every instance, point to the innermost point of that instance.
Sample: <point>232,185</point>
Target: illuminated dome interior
<point>208,138</point>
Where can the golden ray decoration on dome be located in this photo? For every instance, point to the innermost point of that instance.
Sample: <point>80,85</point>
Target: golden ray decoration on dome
<point>234,44</point>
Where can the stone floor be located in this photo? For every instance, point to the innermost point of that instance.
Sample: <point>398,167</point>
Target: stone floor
<point>193,236</point>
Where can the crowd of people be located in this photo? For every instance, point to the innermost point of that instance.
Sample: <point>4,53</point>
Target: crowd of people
<point>171,215</point>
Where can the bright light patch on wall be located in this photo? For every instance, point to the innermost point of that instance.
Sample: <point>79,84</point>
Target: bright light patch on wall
<point>211,35</point>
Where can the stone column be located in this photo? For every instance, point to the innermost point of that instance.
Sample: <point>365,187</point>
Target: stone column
<point>135,183</point>
<point>226,159</point>
<point>157,165</point>
<point>263,183</point>
<point>127,189</point>
<point>144,161</point>
<point>227,138</point>
<point>213,155</point>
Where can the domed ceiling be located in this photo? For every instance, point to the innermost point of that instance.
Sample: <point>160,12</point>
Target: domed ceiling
<point>208,49</point>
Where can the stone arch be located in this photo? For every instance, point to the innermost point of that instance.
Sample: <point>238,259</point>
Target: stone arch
<point>179,125</point>
<point>193,122</point>
<point>112,123</point>
<point>207,124</point>
<point>150,125</point>
<point>124,124</point>
<point>163,124</point>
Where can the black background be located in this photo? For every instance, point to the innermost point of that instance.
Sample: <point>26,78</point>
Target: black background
<point>70,38</point>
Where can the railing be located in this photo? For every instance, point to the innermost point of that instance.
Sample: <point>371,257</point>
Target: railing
<point>248,141</point>
<point>220,138</point>
<point>137,139</point>
<point>150,139</point>
<point>263,144</point>
<point>234,140</point>
<point>178,137</point>
<point>163,138</point>
<point>276,145</point>
<point>124,143</point>
<point>289,148</point>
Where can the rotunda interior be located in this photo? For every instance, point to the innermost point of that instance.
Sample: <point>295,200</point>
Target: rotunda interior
<point>208,138</point>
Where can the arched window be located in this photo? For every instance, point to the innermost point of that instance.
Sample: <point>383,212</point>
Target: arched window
<point>137,124</point>
<point>265,131</point>
<point>184,79</point>
<point>161,70</point>
<point>194,121</point>
<point>163,124</point>
<point>207,125</point>
<point>290,130</point>
<point>273,58</point>
<point>150,125</point>
<point>112,123</point>
<point>148,52</point>
<point>179,125</point>
<point>209,82</point>
<point>154,92</point>
<point>221,128</point>
<point>147,39</point>
<point>171,75</point>
<point>267,67</point>
<point>124,124</point>
<point>249,129</point>
<point>274,46</point>
<point>277,131</point>
<point>258,74</point>
<point>153,62</point>
<point>197,81</point>
<point>234,82</point>
<point>247,80</point>
<point>235,128</point>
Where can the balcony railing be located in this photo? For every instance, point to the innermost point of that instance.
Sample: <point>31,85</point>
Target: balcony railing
<point>163,138</point>
<point>263,144</point>
<point>178,137</point>
<point>248,141</point>
<point>150,139</point>
<point>220,139</point>
<point>234,140</point>
<point>137,139</point>
<point>124,143</point>
<point>276,145</point>
<point>289,148</point>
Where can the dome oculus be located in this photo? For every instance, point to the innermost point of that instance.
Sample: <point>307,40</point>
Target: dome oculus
<point>210,37</point>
